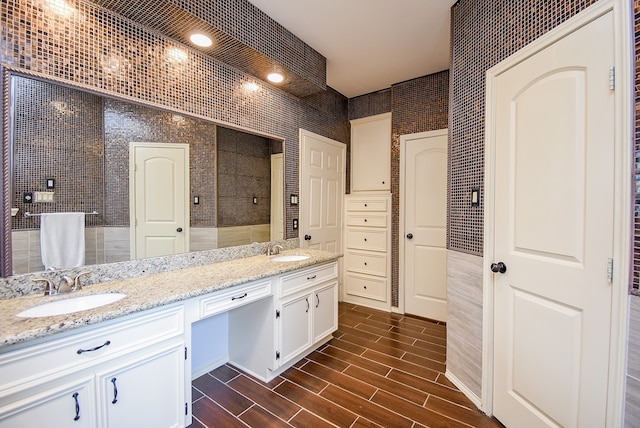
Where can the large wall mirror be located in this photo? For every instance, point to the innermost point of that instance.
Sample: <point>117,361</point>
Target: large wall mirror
<point>70,152</point>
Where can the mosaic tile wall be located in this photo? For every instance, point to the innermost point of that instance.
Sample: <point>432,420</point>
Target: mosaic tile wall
<point>244,172</point>
<point>104,52</point>
<point>125,122</point>
<point>484,32</point>
<point>635,283</point>
<point>58,134</point>
<point>416,105</point>
<point>242,37</point>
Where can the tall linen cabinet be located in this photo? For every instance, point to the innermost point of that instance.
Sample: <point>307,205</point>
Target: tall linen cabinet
<point>367,233</point>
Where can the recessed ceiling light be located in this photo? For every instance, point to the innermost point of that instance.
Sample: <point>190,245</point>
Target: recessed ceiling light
<point>275,77</point>
<point>201,40</point>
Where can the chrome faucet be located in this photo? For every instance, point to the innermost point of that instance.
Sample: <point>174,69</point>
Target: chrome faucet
<point>67,284</point>
<point>273,249</point>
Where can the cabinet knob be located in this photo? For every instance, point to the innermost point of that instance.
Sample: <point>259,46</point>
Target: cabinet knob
<point>365,220</point>
<point>179,230</point>
<point>409,235</point>
<point>365,239</point>
<point>365,205</point>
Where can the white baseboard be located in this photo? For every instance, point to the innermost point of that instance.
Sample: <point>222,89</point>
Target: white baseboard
<point>209,367</point>
<point>466,391</point>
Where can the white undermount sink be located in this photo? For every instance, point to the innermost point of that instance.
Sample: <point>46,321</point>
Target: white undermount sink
<point>290,258</point>
<point>70,305</point>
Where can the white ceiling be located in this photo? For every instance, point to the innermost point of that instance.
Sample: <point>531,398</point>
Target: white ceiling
<point>369,44</point>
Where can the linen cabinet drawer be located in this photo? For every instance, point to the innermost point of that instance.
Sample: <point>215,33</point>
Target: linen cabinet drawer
<point>366,286</point>
<point>366,205</point>
<point>368,263</point>
<point>364,239</point>
<point>308,277</point>
<point>367,220</point>
<point>233,297</point>
<point>89,346</point>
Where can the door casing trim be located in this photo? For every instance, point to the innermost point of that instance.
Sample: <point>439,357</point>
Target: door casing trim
<point>623,196</point>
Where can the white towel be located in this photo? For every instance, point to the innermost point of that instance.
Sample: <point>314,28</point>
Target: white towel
<point>62,240</point>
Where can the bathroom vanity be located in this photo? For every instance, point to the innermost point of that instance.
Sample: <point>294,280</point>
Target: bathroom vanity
<point>131,363</point>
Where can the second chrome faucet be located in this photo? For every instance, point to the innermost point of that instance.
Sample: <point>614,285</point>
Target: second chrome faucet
<point>67,284</point>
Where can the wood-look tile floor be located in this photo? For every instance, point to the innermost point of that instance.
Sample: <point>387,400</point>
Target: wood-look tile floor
<point>379,370</point>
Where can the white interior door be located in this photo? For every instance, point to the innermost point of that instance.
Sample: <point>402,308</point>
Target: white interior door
<point>277,197</point>
<point>159,203</point>
<point>553,230</point>
<point>322,173</point>
<point>424,208</point>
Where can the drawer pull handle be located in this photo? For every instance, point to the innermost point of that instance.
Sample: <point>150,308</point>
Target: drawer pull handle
<point>107,343</point>
<point>75,397</point>
<point>318,300</point>
<point>307,311</point>
<point>115,391</point>
<point>309,278</point>
<point>239,297</point>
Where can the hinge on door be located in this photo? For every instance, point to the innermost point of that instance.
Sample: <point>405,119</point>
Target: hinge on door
<point>185,352</point>
<point>277,355</point>
<point>610,270</point>
<point>277,313</point>
<point>612,78</point>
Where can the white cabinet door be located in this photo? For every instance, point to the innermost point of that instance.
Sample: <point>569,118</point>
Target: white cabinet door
<point>71,404</point>
<point>145,390</point>
<point>295,327</point>
<point>325,311</point>
<point>371,153</point>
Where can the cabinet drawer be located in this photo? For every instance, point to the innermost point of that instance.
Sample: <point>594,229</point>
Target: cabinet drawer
<point>89,346</point>
<point>367,205</point>
<point>367,239</point>
<point>370,287</point>
<point>367,220</point>
<point>369,263</point>
<point>290,284</point>
<point>234,297</point>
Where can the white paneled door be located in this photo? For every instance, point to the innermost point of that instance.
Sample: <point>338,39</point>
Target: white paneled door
<point>553,231</point>
<point>322,174</point>
<point>424,211</point>
<point>159,205</point>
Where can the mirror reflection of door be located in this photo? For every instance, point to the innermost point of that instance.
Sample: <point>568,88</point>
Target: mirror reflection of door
<point>159,199</point>
<point>277,197</point>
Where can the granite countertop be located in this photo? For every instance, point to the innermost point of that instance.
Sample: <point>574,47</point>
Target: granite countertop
<point>144,293</point>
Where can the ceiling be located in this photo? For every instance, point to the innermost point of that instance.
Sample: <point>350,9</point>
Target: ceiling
<point>369,44</point>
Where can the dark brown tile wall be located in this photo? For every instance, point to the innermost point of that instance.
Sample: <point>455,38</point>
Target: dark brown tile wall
<point>102,51</point>
<point>416,105</point>
<point>484,32</point>
<point>126,122</point>
<point>58,134</point>
<point>242,37</point>
<point>244,172</point>
<point>635,283</point>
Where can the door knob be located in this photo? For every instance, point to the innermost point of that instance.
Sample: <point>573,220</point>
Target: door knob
<point>409,235</point>
<point>498,267</point>
<point>307,237</point>
<point>179,229</point>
